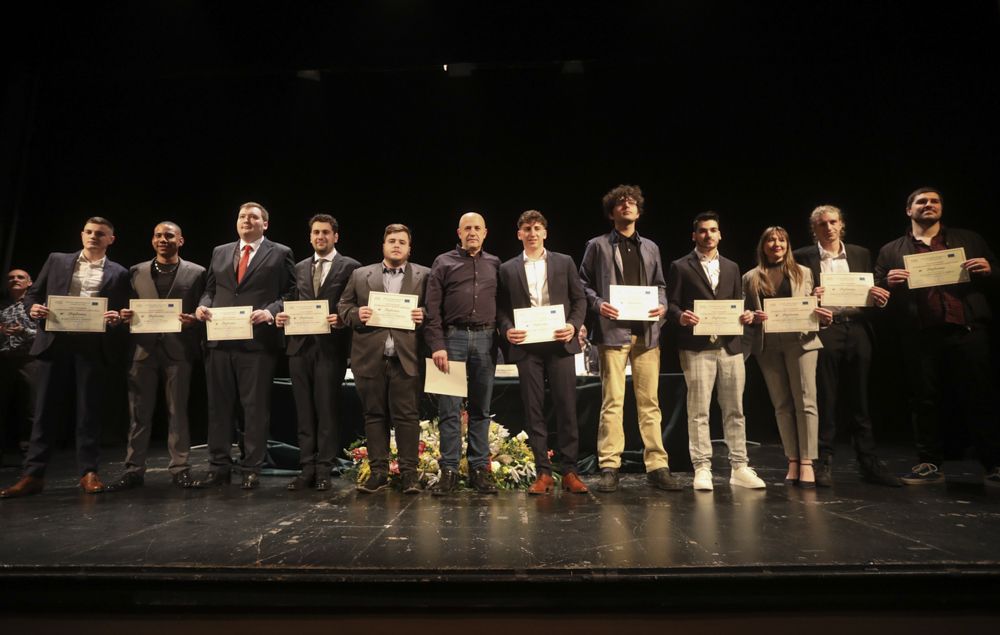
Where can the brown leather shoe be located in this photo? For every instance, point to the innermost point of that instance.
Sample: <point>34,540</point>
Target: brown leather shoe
<point>544,484</point>
<point>572,484</point>
<point>91,483</point>
<point>27,486</point>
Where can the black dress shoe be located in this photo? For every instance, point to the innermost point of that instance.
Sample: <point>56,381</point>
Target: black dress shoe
<point>609,480</point>
<point>183,479</point>
<point>824,472</point>
<point>663,479</point>
<point>873,471</point>
<point>376,481</point>
<point>481,480</point>
<point>128,480</point>
<point>446,484</point>
<point>411,482</point>
<point>321,484</point>
<point>299,483</point>
<point>215,478</point>
<point>251,480</point>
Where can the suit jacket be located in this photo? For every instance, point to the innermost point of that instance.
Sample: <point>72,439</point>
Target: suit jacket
<point>268,278</point>
<point>754,335</point>
<point>598,272</point>
<point>858,259</point>
<point>564,287</point>
<point>369,342</point>
<point>338,343</point>
<point>188,287</point>
<point>55,278</point>
<point>687,282</point>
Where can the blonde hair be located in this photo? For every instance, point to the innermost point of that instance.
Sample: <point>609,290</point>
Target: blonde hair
<point>760,283</point>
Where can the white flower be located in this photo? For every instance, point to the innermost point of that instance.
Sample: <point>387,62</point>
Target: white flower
<point>495,466</point>
<point>522,436</point>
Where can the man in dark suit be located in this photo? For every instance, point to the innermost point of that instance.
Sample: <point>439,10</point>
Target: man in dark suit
<point>74,362</point>
<point>257,272</point>
<point>386,362</point>
<point>710,362</point>
<point>542,278</point>
<point>166,356</point>
<point>317,363</point>
<point>842,371</point>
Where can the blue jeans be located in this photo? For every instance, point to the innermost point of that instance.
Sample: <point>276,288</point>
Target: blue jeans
<point>475,348</point>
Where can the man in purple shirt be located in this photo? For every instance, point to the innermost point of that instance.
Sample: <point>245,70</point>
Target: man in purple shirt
<point>461,327</point>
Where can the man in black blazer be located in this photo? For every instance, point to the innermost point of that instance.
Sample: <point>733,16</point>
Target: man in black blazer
<point>386,362</point>
<point>74,362</point>
<point>842,371</point>
<point>317,363</point>
<point>257,272</point>
<point>710,362</point>
<point>541,278</point>
<point>169,356</point>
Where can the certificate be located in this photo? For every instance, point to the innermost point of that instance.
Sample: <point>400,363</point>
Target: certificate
<point>155,316</point>
<point>790,315</point>
<point>230,323</point>
<point>847,288</point>
<point>718,317</point>
<point>452,383</point>
<point>541,322</point>
<point>936,268</point>
<point>76,314</point>
<point>307,317</point>
<point>634,302</point>
<point>392,310</point>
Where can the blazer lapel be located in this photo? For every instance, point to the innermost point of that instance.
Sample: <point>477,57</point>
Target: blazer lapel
<point>522,277</point>
<point>375,279</point>
<point>144,281</point>
<point>262,253</point>
<point>695,263</point>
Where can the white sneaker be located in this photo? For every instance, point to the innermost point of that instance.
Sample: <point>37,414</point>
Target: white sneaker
<point>703,479</point>
<point>744,476</point>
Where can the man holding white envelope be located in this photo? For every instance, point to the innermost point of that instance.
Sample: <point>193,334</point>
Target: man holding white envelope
<point>540,307</point>
<point>938,277</point>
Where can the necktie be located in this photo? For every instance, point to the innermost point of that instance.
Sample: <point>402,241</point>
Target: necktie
<point>244,261</point>
<point>318,276</point>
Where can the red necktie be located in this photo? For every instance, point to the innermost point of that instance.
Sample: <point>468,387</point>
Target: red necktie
<point>241,270</point>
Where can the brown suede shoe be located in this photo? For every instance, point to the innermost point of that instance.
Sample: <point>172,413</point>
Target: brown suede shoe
<point>571,483</point>
<point>544,484</point>
<point>27,486</point>
<point>91,483</point>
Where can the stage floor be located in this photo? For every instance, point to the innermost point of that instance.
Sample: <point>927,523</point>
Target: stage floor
<point>855,546</point>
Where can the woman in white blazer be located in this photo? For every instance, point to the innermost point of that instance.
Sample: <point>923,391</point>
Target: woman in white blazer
<point>787,360</point>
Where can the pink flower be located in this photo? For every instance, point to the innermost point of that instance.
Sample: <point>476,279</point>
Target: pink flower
<point>422,447</point>
<point>551,453</point>
<point>360,453</point>
<point>394,467</point>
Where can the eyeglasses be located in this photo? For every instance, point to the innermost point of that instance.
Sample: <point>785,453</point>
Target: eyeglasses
<point>628,200</point>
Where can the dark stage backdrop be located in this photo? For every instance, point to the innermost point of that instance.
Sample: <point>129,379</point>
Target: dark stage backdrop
<point>184,110</point>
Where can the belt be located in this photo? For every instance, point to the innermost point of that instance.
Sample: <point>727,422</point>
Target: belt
<point>846,319</point>
<point>473,327</point>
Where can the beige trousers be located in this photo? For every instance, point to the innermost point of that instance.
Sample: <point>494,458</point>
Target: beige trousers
<point>703,371</point>
<point>790,375</point>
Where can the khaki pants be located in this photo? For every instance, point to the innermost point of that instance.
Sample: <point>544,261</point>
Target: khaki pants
<point>645,382</point>
<point>790,375</point>
<point>702,371</point>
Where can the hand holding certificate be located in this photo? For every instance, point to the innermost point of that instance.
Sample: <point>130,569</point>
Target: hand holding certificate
<point>718,317</point>
<point>790,315</point>
<point>155,316</point>
<point>540,323</point>
<point>392,310</point>
<point>230,323</point>
<point>452,383</point>
<point>634,302</point>
<point>846,289</point>
<point>936,268</point>
<point>75,314</point>
<point>307,317</point>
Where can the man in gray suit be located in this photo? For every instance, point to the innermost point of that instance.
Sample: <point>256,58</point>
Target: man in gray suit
<point>162,355</point>
<point>386,361</point>
<point>317,363</point>
<point>257,272</point>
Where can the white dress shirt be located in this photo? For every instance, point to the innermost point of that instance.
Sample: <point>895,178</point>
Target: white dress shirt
<point>711,268</point>
<point>538,282</point>
<point>87,275</point>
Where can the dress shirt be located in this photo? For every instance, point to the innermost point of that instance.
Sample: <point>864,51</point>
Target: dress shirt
<point>711,268</point>
<point>254,246</point>
<point>937,305</point>
<point>14,314</point>
<point>830,262</point>
<point>87,275</point>
<point>392,281</point>
<point>462,290</point>
<point>323,261</point>
<point>536,272</point>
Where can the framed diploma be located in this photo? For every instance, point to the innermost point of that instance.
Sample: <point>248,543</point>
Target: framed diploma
<point>718,317</point>
<point>75,314</point>
<point>307,317</point>
<point>392,310</point>
<point>936,268</point>
<point>155,316</point>
<point>230,323</point>
<point>845,289</point>
<point>634,302</point>
<point>541,322</point>
<point>790,315</point>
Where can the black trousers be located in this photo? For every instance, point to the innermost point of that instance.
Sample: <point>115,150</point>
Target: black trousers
<point>541,360</point>
<point>17,398</point>
<point>390,399</point>
<point>951,375</point>
<point>239,378</point>
<point>316,380</point>
<point>842,375</point>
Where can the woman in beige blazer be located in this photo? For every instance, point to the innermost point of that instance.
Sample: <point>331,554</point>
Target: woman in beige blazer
<point>787,360</point>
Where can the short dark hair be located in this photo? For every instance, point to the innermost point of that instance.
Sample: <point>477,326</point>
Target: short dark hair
<point>100,220</point>
<point>705,216</point>
<point>324,218</point>
<point>923,190</point>
<point>263,211</point>
<point>395,228</point>
<point>169,222</point>
<point>612,198</point>
<point>531,217</point>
